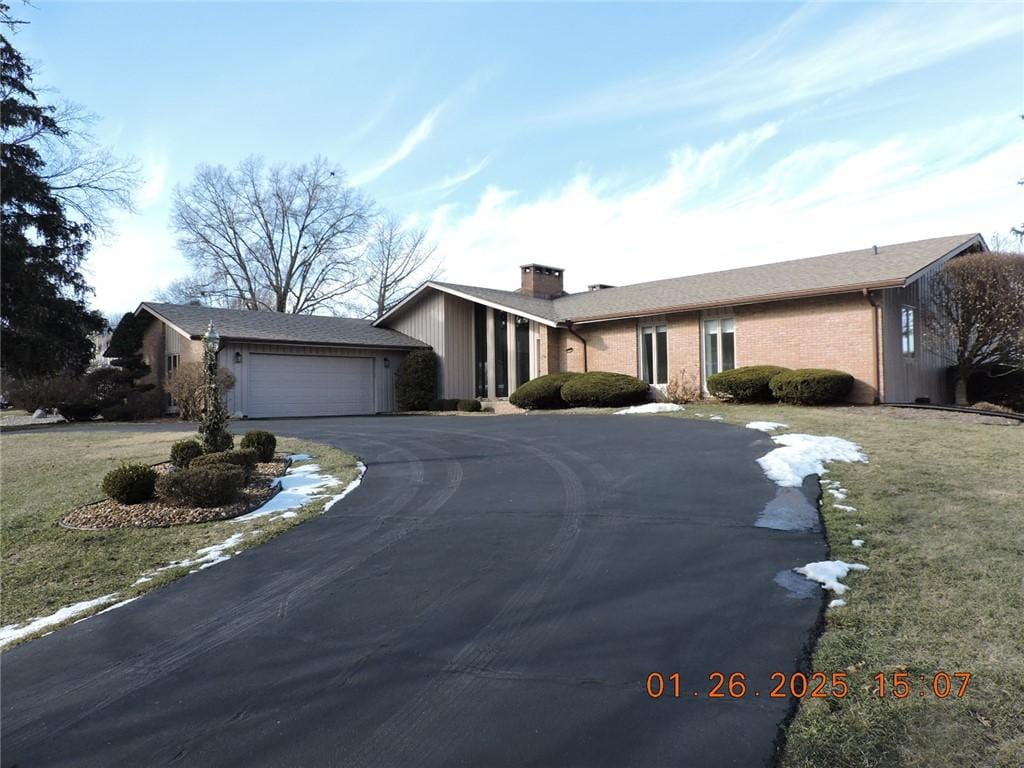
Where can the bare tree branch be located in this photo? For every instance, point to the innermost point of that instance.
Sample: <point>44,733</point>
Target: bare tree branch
<point>397,261</point>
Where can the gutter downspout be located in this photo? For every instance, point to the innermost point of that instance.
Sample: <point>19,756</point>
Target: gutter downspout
<point>875,343</point>
<point>568,325</point>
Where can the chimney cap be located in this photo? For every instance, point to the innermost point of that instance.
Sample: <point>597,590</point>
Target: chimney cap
<point>542,268</point>
<point>598,286</point>
<point>875,247</point>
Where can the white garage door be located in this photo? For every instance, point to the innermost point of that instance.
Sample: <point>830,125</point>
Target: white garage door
<point>308,385</point>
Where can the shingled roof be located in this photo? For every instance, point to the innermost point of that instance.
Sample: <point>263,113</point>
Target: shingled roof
<point>278,327</point>
<point>871,268</point>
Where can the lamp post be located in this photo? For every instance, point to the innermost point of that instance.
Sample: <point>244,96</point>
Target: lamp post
<point>213,428</point>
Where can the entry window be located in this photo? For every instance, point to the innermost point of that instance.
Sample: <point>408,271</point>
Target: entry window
<point>719,346</point>
<point>907,324</point>
<point>480,348</point>
<point>171,365</point>
<point>522,351</point>
<point>654,354</point>
<point>500,354</point>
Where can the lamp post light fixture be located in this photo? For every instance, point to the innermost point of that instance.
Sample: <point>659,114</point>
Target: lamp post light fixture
<point>212,339</point>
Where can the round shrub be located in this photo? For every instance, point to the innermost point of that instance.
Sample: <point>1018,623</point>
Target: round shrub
<point>416,380</point>
<point>542,393</point>
<point>811,386</point>
<point>599,389</point>
<point>261,441</point>
<point>202,486</point>
<point>130,483</point>
<point>184,451</point>
<point>469,406</point>
<point>748,384</point>
<point>245,459</point>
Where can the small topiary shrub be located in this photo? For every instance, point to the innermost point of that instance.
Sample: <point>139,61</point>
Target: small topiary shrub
<point>261,441</point>
<point>202,486</point>
<point>416,380</point>
<point>130,483</point>
<point>748,384</point>
<point>469,406</point>
<point>811,386</point>
<point>542,393</point>
<point>245,459</point>
<point>184,451</point>
<point>599,389</point>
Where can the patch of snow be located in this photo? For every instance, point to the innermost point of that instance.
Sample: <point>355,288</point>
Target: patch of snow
<point>360,471</point>
<point>858,543</point>
<point>13,632</point>
<point>299,486</point>
<point>844,508</point>
<point>300,457</point>
<point>715,418</point>
<point>141,580</point>
<point>858,525</point>
<point>838,493</point>
<point>123,603</point>
<point>766,426</point>
<point>801,455</point>
<point>207,556</point>
<point>837,603</point>
<point>651,408</point>
<point>829,572</point>
<point>39,413</point>
<point>285,516</point>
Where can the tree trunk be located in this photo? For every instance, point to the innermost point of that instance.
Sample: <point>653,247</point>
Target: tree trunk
<point>960,391</point>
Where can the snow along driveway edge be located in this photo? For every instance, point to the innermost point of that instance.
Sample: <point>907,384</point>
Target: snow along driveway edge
<point>309,480</point>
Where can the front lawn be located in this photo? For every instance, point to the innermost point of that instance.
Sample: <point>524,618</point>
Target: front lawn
<point>45,474</point>
<point>941,503</point>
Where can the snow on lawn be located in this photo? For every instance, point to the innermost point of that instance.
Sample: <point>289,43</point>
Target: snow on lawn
<point>802,455</point>
<point>300,457</point>
<point>651,408</point>
<point>858,543</point>
<point>299,486</point>
<point>13,632</point>
<point>766,426</point>
<point>207,556</point>
<point>715,418</point>
<point>829,572</point>
<point>844,508</point>
<point>837,603</point>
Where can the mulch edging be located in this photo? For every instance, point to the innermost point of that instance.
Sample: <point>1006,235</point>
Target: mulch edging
<point>156,513</point>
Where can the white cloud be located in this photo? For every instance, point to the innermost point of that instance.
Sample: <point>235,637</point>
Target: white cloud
<point>450,182</point>
<point>712,209</point>
<point>413,139</point>
<point>155,175</point>
<point>783,68</point>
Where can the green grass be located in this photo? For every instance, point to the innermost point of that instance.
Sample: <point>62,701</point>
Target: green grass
<point>46,567</point>
<point>942,505</point>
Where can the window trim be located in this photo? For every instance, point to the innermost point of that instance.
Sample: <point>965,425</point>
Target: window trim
<point>653,330</point>
<point>719,319</point>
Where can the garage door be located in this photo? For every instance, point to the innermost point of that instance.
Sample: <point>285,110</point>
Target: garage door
<point>309,385</point>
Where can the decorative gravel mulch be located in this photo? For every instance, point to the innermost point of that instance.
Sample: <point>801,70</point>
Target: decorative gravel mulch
<point>157,513</point>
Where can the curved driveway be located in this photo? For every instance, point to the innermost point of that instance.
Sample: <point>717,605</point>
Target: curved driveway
<point>494,594</point>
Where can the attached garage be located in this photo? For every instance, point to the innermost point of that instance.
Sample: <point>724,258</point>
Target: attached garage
<point>283,365</point>
<point>309,385</point>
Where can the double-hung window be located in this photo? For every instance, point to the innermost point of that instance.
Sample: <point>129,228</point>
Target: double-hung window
<point>654,354</point>
<point>719,346</point>
<point>907,330</point>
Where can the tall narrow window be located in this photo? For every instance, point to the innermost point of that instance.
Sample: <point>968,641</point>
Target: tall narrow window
<point>480,348</point>
<point>500,354</point>
<point>719,346</point>
<point>172,365</point>
<point>522,351</point>
<point>654,354</point>
<point>907,331</point>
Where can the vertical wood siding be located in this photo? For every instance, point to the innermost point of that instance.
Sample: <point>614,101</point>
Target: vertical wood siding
<point>457,360</point>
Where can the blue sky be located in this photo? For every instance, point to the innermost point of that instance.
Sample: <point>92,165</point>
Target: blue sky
<point>621,142</point>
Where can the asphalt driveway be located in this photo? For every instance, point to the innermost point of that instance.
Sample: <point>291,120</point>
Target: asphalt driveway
<point>494,594</point>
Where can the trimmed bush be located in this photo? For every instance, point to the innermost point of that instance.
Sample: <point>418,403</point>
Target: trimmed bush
<point>261,441</point>
<point>416,381</point>
<point>245,459</point>
<point>184,451</point>
<point>748,384</point>
<point>469,406</point>
<point>811,386</point>
<point>542,393</point>
<point>130,483</point>
<point>599,389</point>
<point>203,486</point>
<point>444,404</point>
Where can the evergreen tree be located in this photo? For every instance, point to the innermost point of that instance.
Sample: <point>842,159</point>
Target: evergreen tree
<point>44,321</point>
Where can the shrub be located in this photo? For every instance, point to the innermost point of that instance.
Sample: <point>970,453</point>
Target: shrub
<point>416,381</point>
<point>130,483</point>
<point>748,384</point>
<point>469,406</point>
<point>542,393</point>
<point>187,385</point>
<point>599,389</point>
<point>137,406</point>
<point>683,388</point>
<point>184,451</point>
<point>999,384</point>
<point>811,386</point>
<point>261,441</point>
<point>208,486</point>
<point>444,404</point>
<point>245,459</point>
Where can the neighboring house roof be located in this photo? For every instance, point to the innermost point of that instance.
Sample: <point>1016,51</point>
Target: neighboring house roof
<point>277,327</point>
<point>871,268</point>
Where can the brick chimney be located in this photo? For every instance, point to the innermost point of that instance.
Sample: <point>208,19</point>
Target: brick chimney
<point>540,281</point>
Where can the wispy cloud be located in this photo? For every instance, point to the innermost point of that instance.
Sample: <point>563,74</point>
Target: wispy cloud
<point>452,181</point>
<point>413,139</point>
<point>718,207</point>
<point>782,69</point>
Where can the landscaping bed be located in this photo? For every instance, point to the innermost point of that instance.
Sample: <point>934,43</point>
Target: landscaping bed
<point>157,513</point>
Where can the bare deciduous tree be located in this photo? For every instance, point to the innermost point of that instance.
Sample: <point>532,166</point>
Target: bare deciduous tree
<point>286,239</point>
<point>977,315</point>
<point>397,260</point>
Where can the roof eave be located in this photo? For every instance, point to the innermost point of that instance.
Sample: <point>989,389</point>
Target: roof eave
<point>468,297</point>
